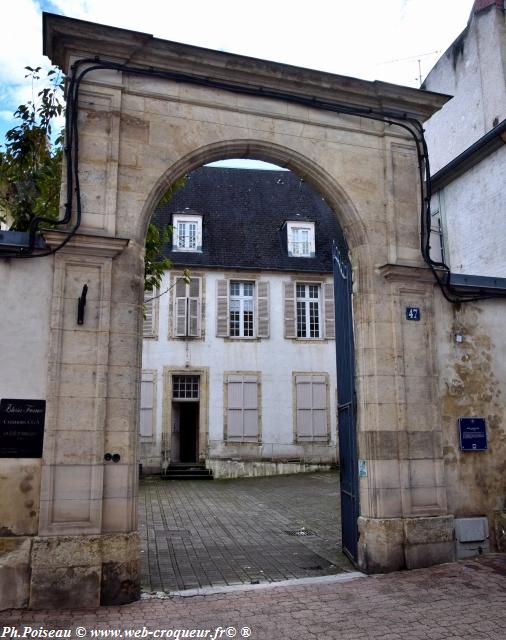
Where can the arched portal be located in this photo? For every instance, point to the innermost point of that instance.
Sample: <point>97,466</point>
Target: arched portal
<point>148,112</point>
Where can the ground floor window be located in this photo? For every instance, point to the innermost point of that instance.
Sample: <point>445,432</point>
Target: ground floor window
<point>311,407</point>
<point>185,387</point>
<point>242,403</point>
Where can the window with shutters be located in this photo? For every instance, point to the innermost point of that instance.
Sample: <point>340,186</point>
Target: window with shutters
<point>301,242</point>
<point>311,407</point>
<point>242,404</point>
<point>242,309</point>
<point>149,327</point>
<point>309,310</point>
<point>187,234</point>
<point>147,417</point>
<point>187,307</point>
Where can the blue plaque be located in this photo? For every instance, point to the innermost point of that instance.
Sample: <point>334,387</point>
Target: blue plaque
<point>473,434</point>
<point>412,313</point>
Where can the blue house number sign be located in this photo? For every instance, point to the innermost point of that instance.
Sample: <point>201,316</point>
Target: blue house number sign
<point>473,434</point>
<point>412,313</point>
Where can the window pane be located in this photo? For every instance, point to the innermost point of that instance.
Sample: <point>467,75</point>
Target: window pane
<point>185,387</point>
<point>314,326</point>
<point>301,319</point>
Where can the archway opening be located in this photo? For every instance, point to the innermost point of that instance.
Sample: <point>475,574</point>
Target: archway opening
<point>239,383</point>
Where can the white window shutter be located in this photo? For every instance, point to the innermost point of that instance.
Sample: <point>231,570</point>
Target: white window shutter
<point>235,404</point>
<point>242,409</point>
<point>147,404</point>
<point>148,326</point>
<point>328,294</point>
<point>311,407</point>
<point>263,310</point>
<point>194,317</point>
<point>319,406</point>
<point>289,310</point>
<point>180,310</point>
<point>222,308</point>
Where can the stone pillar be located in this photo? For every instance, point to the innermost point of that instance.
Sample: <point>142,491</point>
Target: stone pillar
<point>404,521</point>
<point>86,552</point>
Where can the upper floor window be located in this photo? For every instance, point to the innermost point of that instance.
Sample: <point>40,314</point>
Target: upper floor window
<point>301,242</point>
<point>187,234</point>
<point>308,310</point>
<point>187,307</point>
<point>241,309</point>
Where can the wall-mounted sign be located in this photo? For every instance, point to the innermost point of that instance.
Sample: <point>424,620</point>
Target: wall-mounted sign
<point>412,313</point>
<point>362,468</point>
<point>21,428</point>
<point>473,434</point>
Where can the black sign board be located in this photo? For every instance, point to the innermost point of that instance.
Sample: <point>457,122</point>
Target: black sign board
<point>473,434</point>
<point>21,428</point>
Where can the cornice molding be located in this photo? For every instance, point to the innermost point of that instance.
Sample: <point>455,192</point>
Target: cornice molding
<point>84,244</point>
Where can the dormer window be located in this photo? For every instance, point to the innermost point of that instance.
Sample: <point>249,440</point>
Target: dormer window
<point>301,243</point>
<point>187,234</point>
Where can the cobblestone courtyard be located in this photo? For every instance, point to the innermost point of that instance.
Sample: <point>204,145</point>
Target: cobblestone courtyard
<point>200,534</point>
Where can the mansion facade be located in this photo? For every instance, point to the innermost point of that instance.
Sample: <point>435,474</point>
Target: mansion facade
<point>238,367</point>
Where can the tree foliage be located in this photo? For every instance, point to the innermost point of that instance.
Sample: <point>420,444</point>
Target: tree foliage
<point>31,169</point>
<point>30,163</point>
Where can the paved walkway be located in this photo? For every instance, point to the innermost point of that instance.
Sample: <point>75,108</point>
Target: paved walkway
<point>200,534</point>
<point>464,600</point>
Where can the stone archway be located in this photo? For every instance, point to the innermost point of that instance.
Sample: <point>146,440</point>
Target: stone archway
<point>137,133</point>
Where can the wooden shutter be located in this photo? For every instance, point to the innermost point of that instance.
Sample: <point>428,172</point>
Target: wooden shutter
<point>263,310</point>
<point>319,407</point>
<point>289,310</point>
<point>242,410</point>
<point>328,302</point>
<point>194,307</point>
<point>311,407</point>
<point>147,404</point>
<point>304,407</point>
<point>148,326</point>
<point>235,406</point>
<point>193,317</point>
<point>180,311</point>
<point>222,308</point>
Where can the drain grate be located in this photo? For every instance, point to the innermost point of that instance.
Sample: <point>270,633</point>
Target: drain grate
<point>301,532</point>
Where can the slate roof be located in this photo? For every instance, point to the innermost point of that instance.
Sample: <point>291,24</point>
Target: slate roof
<point>243,213</point>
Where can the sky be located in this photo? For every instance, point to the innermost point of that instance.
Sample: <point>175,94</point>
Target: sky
<point>370,39</point>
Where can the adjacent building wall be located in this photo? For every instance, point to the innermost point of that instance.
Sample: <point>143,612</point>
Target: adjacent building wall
<point>25,295</point>
<point>473,71</point>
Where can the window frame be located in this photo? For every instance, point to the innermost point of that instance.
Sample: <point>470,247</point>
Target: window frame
<point>298,378</point>
<point>188,307</point>
<point>241,298</point>
<point>261,307</point>
<point>231,377</point>
<point>292,244</point>
<point>307,300</point>
<point>187,219</point>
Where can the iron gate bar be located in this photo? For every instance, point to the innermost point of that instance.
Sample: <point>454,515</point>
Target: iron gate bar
<point>346,408</point>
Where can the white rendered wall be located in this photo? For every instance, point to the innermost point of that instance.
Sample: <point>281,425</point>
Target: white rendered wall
<point>473,71</point>
<point>275,357</point>
<point>25,297</point>
<point>473,207</point>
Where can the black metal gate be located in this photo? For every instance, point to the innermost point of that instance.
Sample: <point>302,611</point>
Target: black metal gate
<point>346,408</point>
